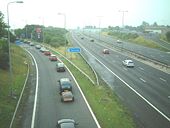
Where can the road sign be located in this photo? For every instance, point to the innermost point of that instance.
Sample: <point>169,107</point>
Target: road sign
<point>77,49</point>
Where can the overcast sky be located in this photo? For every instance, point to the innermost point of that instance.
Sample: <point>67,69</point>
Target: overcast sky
<point>86,12</point>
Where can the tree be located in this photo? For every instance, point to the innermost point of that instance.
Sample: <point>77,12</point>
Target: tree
<point>4,58</point>
<point>168,35</point>
<point>145,24</point>
<point>3,32</point>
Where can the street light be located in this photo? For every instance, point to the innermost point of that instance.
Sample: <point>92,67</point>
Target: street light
<point>9,52</point>
<point>99,24</point>
<point>64,27</point>
<point>123,13</point>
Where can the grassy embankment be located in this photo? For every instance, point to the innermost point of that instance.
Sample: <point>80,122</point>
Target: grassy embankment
<point>103,101</point>
<point>8,102</point>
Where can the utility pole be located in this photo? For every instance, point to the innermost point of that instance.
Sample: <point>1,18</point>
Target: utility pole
<point>123,14</point>
<point>99,24</point>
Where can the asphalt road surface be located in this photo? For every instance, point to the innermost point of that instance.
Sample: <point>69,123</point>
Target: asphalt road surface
<point>49,105</point>
<point>143,89</point>
<point>155,54</point>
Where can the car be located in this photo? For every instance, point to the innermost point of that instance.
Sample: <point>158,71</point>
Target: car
<point>106,51</point>
<point>67,96</point>
<point>60,67</point>
<point>118,41</point>
<point>31,44</point>
<point>128,63</point>
<point>37,46</point>
<point>47,53</point>
<point>92,40</point>
<point>65,85</point>
<point>43,49</point>
<point>53,57</point>
<point>66,123</point>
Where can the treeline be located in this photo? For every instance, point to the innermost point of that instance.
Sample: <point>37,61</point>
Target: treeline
<point>50,35</point>
<point>123,36</point>
<point>4,58</point>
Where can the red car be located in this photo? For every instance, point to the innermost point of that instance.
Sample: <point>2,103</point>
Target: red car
<point>47,53</point>
<point>53,57</point>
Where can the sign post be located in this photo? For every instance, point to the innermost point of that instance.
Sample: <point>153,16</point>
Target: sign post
<point>74,50</point>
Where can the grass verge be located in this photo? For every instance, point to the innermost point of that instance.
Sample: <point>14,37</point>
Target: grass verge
<point>8,102</point>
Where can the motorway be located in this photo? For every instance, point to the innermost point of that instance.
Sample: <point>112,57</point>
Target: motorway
<point>155,54</point>
<point>143,89</point>
<point>49,107</point>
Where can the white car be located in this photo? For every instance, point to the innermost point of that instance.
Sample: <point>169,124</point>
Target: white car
<point>128,63</point>
<point>43,49</point>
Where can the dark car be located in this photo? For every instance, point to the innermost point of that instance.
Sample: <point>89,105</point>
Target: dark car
<point>92,40</point>
<point>66,123</point>
<point>65,85</point>
<point>60,67</point>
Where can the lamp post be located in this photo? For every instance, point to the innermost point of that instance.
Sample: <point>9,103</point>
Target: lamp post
<point>123,14</point>
<point>9,52</point>
<point>64,27</point>
<point>99,24</point>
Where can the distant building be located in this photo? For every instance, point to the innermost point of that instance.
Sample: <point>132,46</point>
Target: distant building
<point>157,29</point>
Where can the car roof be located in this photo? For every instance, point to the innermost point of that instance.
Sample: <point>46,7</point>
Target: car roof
<point>60,64</point>
<point>66,121</point>
<point>52,55</point>
<point>128,60</point>
<point>67,93</point>
<point>64,79</point>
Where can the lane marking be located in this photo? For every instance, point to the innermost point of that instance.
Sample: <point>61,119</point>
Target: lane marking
<point>141,68</point>
<point>125,68</point>
<point>36,91</point>
<point>142,80</point>
<point>162,79</point>
<point>154,107</point>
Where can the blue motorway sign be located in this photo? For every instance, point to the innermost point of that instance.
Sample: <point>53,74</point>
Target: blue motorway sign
<point>18,42</point>
<point>77,49</point>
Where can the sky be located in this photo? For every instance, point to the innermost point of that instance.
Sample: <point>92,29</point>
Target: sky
<point>80,13</point>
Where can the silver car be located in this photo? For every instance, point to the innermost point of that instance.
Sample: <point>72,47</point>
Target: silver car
<point>66,123</point>
<point>128,63</point>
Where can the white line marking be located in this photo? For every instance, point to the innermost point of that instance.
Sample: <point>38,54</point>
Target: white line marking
<point>142,80</point>
<point>154,107</point>
<point>141,68</point>
<point>125,68</point>
<point>162,79</point>
<point>36,92</point>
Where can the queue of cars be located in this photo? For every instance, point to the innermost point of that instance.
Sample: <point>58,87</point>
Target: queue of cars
<point>65,86</point>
